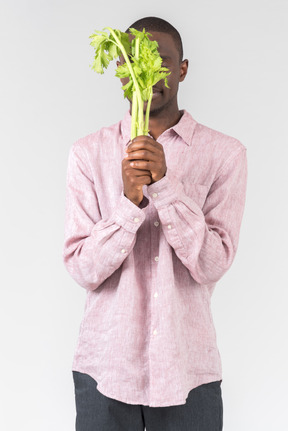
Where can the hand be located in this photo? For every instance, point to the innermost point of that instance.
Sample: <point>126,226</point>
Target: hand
<point>133,181</point>
<point>146,154</point>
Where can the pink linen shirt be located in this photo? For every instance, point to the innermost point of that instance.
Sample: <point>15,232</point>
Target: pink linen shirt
<point>147,336</point>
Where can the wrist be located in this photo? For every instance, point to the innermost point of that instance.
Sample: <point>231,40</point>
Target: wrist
<point>136,201</point>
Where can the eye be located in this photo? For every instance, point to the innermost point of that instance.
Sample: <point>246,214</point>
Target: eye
<point>166,63</point>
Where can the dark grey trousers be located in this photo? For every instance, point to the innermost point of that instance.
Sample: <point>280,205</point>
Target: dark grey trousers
<point>203,410</point>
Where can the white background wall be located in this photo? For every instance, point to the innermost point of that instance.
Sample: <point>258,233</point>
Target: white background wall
<point>50,97</point>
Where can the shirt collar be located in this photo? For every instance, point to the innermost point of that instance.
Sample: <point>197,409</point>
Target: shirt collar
<point>184,128</point>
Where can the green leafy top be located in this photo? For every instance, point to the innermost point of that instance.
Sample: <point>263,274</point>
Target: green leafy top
<point>147,65</point>
<point>143,67</point>
<point>107,48</point>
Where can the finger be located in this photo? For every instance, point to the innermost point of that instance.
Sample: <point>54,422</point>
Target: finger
<point>140,179</point>
<point>144,138</point>
<point>126,163</point>
<point>147,180</point>
<point>144,165</point>
<point>151,145</point>
<point>137,172</point>
<point>143,146</point>
<point>142,155</point>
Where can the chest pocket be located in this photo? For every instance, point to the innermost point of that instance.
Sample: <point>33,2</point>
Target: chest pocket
<point>197,192</point>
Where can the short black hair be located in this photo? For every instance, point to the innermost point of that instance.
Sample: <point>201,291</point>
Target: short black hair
<point>151,23</point>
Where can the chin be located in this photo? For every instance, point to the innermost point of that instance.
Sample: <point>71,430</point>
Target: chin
<point>156,110</point>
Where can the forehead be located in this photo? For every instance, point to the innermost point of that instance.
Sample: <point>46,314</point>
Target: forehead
<point>167,46</point>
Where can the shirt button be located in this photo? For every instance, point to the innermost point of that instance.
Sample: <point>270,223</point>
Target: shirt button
<point>123,250</point>
<point>169,226</point>
<point>156,258</point>
<point>136,219</point>
<point>155,332</point>
<point>155,295</point>
<point>155,195</point>
<point>156,223</point>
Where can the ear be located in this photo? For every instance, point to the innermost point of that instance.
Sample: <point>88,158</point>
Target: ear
<point>183,70</point>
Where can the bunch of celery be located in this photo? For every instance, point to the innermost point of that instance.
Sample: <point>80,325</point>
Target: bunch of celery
<point>143,67</point>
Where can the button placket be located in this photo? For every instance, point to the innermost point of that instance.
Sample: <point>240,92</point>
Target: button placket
<point>155,233</point>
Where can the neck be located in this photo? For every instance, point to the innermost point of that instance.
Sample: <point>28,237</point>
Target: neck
<point>162,121</point>
<point>163,118</point>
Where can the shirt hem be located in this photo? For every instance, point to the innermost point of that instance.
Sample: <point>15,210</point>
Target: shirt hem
<point>167,403</point>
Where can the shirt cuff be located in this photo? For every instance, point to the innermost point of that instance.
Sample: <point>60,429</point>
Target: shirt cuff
<point>128,215</point>
<point>165,191</point>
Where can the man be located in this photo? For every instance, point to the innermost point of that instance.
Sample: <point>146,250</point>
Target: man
<point>151,226</point>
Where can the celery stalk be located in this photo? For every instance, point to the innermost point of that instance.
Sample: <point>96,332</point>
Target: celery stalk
<point>143,66</point>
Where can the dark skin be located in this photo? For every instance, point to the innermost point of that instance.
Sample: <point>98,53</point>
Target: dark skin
<point>145,161</point>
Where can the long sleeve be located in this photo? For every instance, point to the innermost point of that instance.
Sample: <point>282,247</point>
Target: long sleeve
<point>206,239</point>
<point>94,248</point>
